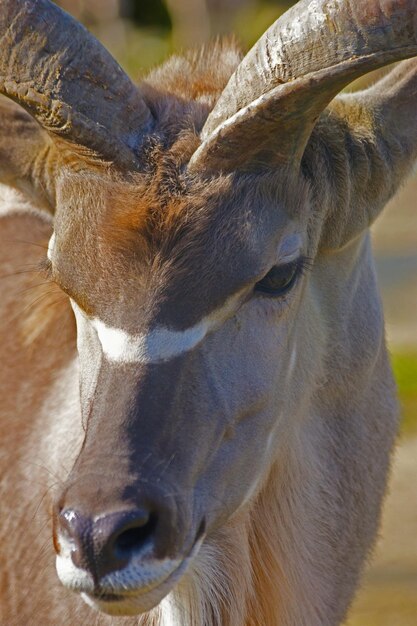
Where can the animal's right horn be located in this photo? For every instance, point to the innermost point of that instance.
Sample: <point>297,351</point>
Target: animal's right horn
<point>55,69</point>
<point>270,105</point>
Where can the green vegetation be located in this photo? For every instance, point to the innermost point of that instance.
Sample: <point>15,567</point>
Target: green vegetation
<point>405,371</point>
<point>147,13</point>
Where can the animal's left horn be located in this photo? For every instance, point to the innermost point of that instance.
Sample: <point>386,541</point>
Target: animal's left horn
<point>269,107</point>
<point>54,68</point>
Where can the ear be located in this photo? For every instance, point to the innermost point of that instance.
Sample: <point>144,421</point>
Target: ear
<point>361,150</point>
<point>28,157</point>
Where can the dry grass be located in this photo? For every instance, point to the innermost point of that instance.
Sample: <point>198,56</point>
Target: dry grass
<point>388,596</point>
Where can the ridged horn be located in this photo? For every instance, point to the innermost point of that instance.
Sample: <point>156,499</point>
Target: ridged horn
<point>269,107</point>
<point>56,70</point>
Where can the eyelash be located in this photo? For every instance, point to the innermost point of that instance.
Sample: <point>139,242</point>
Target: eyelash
<point>298,269</point>
<point>305,264</point>
<point>45,268</point>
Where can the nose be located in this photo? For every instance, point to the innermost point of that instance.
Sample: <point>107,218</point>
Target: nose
<point>108,542</point>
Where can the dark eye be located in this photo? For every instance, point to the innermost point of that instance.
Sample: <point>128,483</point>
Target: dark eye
<point>279,279</point>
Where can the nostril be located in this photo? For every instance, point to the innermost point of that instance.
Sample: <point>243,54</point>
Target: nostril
<point>134,538</point>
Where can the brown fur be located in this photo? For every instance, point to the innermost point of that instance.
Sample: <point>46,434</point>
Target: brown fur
<point>293,552</point>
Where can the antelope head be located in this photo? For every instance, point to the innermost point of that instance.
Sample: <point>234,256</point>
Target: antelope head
<point>198,235</point>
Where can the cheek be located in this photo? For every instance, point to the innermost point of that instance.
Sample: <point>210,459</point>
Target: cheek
<point>253,357</point>
<point>264,339</point>
<point>258,358</point>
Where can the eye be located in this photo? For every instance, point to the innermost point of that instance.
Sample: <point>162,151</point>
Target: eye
<point>279,279</point>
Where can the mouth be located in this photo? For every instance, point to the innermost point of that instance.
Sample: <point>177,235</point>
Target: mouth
<point>132,592</point>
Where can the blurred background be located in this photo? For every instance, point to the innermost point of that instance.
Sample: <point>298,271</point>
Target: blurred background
<point>141,34</point>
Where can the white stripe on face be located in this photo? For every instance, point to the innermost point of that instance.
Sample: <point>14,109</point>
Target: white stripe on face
<point>159,344</point>
<point>51,245</point>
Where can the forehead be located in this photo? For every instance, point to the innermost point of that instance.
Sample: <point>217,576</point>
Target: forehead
<point>121,242</point>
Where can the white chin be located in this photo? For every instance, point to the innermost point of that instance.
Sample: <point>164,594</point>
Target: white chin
<point>131,605</point>
<point>138,594</point>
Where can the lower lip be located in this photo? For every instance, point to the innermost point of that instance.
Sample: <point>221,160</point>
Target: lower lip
<point>107,597</point>
<point>119,606</point>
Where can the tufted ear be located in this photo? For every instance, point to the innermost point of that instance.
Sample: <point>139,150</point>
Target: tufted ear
<point>361,150</point>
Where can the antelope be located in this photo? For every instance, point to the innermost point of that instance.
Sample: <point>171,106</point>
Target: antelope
<point>198,409</point>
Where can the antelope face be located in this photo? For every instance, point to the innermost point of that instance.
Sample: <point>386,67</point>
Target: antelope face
<point>185,273</point>
<point>186,346</point>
